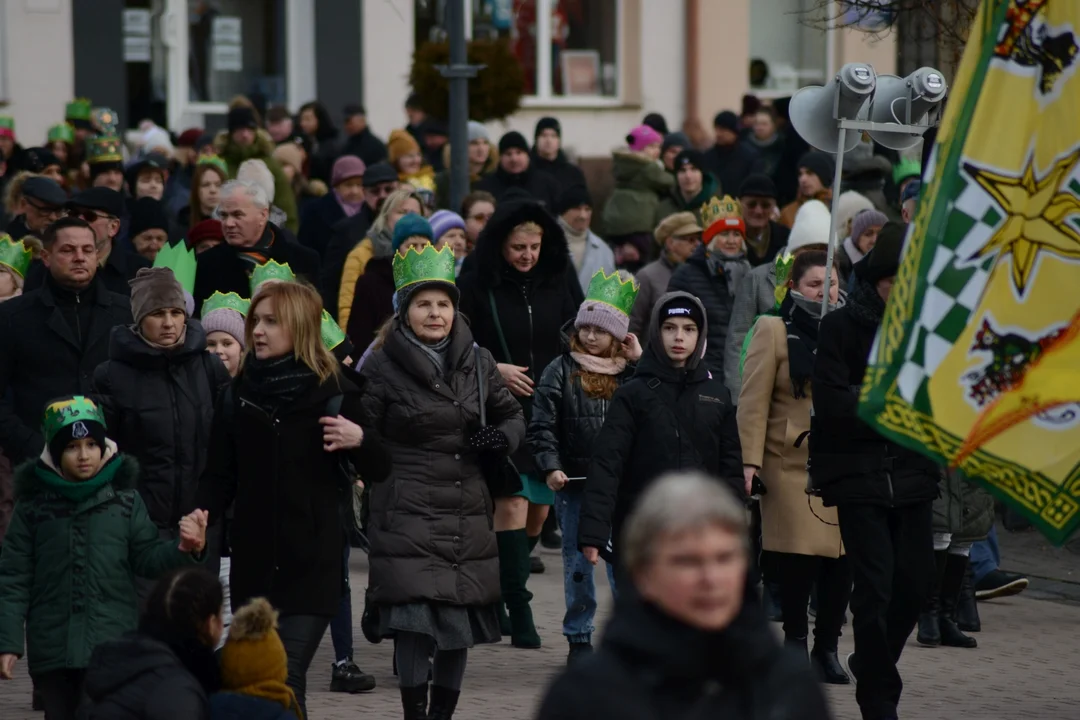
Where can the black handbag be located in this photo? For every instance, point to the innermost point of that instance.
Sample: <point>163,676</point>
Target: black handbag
<point>500,474</point>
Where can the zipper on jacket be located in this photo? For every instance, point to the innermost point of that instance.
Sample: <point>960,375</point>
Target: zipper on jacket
<point>888,481</point>
<point>528,306</point>
<point>78,320</point>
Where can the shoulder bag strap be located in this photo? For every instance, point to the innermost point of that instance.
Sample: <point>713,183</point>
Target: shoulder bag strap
<point>498,328</point>
<point>480,382</point>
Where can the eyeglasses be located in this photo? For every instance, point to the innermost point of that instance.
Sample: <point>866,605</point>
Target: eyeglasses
<point>764,204</point>
<point>49,210</point>
<point>481,217</point>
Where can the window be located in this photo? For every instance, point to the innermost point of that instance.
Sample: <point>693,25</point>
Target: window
<point>581,65</point>
<point>788,49</point>
<point>236,47</point>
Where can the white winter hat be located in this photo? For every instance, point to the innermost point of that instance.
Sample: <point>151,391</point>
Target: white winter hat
<point>851,204</point>
<point>256,171</point>
<point>811,225</point>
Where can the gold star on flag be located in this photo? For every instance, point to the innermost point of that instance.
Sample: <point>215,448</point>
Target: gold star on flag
<point>1036,211</point>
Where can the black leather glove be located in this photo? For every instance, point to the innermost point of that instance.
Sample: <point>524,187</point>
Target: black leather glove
<point>489,439</point>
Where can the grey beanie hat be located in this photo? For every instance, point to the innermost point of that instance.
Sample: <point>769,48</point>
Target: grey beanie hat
<point>154,289</point>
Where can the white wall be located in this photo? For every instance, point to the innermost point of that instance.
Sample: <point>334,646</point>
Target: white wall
<point>38,59</point>
<point>388,47</point>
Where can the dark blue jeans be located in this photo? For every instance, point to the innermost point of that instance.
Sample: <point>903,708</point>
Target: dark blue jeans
<point>578,585</point>
<point>341,625</point>
<point>985,555</point>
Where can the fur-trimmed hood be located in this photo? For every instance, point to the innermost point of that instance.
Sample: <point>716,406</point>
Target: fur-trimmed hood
<point>27,484</point>
<point>262,148</point>
<point>554,250</point>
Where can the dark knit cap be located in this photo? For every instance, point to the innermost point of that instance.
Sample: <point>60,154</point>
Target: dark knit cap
<point>85,428</point>
<point>758,185</point>
<point>411,225</point>
<point>153,161</point>
<point>154,289</point>
<point>726,119</point>
<point>547,123</point>
<point>379,173</point>
<point>657,122</point>
<point>241,117</point>
<point>147,214</point>
<point>189,138</point>
<point>675,139</point>
<point>97,168</point>
<point>573,197</point>
<point>36,159</point>
<point>821,164</point>
<point>205,140</point>
<point>682,307</point>
<point>513,139</point>
<point>884,260</point>
<point>208,229</point>
<point>692,157</point>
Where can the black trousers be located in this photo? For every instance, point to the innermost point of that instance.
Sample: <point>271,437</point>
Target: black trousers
<point>797,575</point>
<point>60,692</point>
<point>301,635</point>
<point>891,551</point>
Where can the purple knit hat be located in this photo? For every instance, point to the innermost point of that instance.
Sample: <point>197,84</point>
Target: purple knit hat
<point>345,167</point>
<point>443,221</point>
<point>227,321</point>
<point>866,220</point>
<point>642,136</point>
<point>603,316</point>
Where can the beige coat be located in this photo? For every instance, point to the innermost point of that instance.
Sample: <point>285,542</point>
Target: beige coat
<point>770,422</point>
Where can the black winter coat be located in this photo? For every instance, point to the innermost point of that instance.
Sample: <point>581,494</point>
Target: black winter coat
<point>532,307</point>
<point>221,269</point>
<point>158,407</point>
<point>317,222</point>
<point>51,341</point>
<point>141,678</point>
<point>565,421</point>
<point>365,146</point>
<point>653,667</point>
<point>664,419</point>
<point>561,170</point>
<point>286,530</point>
<point>345,236</point>
<point>373,302</point>
<point>694,277</point>
<point>849,461</point>
<point>431,532</point>
<point>541,186</point>
<point>731,164</point>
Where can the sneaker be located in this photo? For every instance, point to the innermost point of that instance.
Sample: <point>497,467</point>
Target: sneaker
<point>348,678</point>
<point>997,584</point>
<point>578,651</point>
<point>536,565</point>
<point>850,662</point>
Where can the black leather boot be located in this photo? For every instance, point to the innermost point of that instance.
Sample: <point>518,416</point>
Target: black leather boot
<point>443,703</point>
<point>967,610</point>
<point>828,667</point>
<point>513,574</point>
<point>414,702</point>
<point>951,636</point>
<point>929,633</point>
<point>797,646</point>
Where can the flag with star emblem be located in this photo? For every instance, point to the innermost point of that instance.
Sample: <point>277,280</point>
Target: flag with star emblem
<point>977,362</point>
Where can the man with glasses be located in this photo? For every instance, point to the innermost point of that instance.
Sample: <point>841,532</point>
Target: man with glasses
<point>42,203</point>
<point>380,180</point>
<point>103,208</point>
<point>764,236</point>
<point>678,236</point>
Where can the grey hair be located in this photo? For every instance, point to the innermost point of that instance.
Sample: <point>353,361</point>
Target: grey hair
<point>675,503</point>
<point>252,189</point>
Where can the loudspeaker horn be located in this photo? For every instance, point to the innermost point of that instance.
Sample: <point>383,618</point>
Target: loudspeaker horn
<point>812,108</point>
<point>927,89</point>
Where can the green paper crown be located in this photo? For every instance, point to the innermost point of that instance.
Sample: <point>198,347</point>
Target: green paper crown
<point>105,120</point>
<point>181,260</point>
<point>7,122</point>
<point>424,265</point>
<point>613,290</point>
<point>68,412</point>
<point>270,270</point>
<point>215,160</point>
<point>15,255</point>
<point>61,132</point>
<point>78,110</point>
<point>226,301</point>
<point>332,334</point>
<point>906,168</point>
<point>784,262</point>
<point>103,149</point>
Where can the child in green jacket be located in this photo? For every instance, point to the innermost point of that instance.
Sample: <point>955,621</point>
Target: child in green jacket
<point>79,536</point>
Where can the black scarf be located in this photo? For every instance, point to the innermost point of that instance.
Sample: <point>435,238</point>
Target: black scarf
<point>802,318</point>
<point>278,382</point>
<point>867,307</point>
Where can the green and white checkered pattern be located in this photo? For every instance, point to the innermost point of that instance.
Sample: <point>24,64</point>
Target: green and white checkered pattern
<point>953,286</point>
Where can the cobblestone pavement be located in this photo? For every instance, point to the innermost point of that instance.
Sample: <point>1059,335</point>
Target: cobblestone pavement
<point>1025,667</point>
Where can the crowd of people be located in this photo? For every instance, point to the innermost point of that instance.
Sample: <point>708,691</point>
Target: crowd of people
<point>227,360</point>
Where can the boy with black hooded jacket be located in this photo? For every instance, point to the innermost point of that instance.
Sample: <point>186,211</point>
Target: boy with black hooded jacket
<point>672,416</point>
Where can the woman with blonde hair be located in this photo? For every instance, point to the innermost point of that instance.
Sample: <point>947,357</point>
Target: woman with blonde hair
<point>377,244</point>
<point>280,439</point>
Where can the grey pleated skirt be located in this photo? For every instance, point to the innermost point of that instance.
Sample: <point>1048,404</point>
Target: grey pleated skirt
<point>454,627</point>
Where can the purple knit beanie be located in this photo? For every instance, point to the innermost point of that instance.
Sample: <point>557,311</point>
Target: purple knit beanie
<point>603,316</point>
<point>642,136</point>
<point>345,167</point>
<point>227,321</point>
<point>866,220</point>
<point>443,221</point>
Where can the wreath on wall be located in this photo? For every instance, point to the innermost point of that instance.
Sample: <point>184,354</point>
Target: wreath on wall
<point>494,94</point>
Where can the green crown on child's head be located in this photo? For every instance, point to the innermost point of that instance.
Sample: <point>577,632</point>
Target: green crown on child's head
<point>61,132</point>
<point>613,290</point>
<point>7,123</point>
<point>78,110</point>
<point>784,262</point>
<point>225,301</point>
<point>424,265</point>
<point>104,148</point>
<point>270,270</point>
<point>215,160</point>
<point>332,334</point>
<point>15,255</point>
<point>62,413</point>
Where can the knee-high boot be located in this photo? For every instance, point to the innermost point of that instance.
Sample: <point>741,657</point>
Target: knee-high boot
<point>929,627</point>
<point>951,635</point>
<point>513,574</point>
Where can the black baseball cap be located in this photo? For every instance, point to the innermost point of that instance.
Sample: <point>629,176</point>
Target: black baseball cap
<point>102,199</point>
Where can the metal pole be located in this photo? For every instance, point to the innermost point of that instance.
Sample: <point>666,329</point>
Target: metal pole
<point>832,219</point>
<point>459,104</point>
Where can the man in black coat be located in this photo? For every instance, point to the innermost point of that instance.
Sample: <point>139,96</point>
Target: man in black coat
<point>764,236</point>
<point>731,160</point>
<point>548,158</point>
<point>55,336</point>
<point>883,492</point>
<point>673,415</point>
<point>514,171</point>
<point>361,142</point>
<point>250,240</point>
